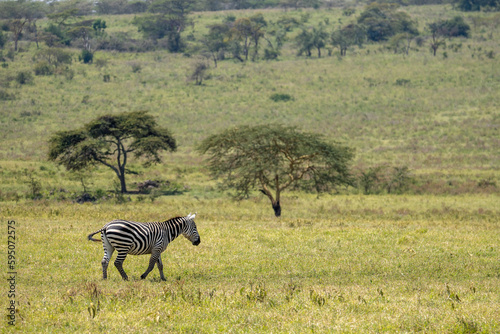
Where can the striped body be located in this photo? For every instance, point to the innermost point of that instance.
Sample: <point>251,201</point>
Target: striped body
<point>127,237</point>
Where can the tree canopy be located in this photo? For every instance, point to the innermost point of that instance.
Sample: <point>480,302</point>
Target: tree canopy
<point>108,140</point>
<point>273,158</point>
<point>384,20</point>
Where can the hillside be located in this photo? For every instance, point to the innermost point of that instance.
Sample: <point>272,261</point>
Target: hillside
<point>437,115</point>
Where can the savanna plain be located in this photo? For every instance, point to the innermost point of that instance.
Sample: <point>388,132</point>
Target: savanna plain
<point>425,259</point>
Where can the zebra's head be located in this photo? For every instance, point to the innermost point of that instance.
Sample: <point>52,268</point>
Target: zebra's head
<point>190,231</point>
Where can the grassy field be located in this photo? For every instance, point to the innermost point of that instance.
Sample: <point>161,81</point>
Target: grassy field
<point>425,261</point>
<point>335,264</point>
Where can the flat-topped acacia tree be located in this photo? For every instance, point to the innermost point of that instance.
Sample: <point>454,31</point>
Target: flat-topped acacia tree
<point>109,140</point>
<point>272,158</point>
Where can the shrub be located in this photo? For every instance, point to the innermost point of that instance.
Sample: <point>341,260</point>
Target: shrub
<point>100,63</point>
<point>136,67</point>
<point>199,72</point>
<point>348,11</point>
<point>281,97</point>
<point>456,27</point>
<point>402,82</point>
<point>5,96</point>
<point>384,20</point>
<point>399,180</point>
<point>3,39</point>
<point>67,72</point>
<point>54,56</point>
<point>370,180</point>
<point>271,54</point>
<point>24,77</point>
<point>43,68</point>
<point>86,56</point>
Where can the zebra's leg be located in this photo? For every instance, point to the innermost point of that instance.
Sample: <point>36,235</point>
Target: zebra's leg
<point>108,252</point>
<point>119,263</point>
<point>155,255</point>
<point>160,268</point>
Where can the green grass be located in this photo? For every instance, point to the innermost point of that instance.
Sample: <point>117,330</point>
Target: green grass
<point>335,264</point>
<point>443,116</point>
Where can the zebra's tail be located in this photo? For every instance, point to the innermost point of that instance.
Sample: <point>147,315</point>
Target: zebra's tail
<point>91,234</point>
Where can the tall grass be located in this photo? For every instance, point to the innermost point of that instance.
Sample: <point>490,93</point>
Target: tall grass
<point>334,264</point>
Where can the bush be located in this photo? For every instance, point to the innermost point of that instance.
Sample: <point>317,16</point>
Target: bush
<point>348,11</point>
<point>86,56</point>
<point>67,72</point>
<point>271,54</point>
<point>391,179</point>
<point>455,27</point>
<point>4,96</point>
<point>3,39</point>
<point>43,68</point>
<point>54,56</point>
<point>199,72</point>
<point>24,78</point>
<point>281,97</point>
<point>136,67</point>
<point>384,20</point>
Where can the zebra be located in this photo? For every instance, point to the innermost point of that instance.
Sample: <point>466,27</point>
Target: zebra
<point>135,238</point>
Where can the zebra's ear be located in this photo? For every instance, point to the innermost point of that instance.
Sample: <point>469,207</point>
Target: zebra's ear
<point>191,216</point>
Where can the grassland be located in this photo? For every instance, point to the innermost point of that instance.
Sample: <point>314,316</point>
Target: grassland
<point>336,264</point>
<point>346,262</point>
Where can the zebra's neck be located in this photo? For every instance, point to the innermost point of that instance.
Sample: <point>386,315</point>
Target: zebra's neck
<point>175,226</point>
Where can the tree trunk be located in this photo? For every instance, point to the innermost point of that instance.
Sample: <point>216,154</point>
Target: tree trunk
<point>277,208</point>
<point>214,56</point>
<point>18,26</point>
<point>122,183</point>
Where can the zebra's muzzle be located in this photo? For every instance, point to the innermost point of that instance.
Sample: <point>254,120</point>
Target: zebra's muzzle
<point>196,242</point>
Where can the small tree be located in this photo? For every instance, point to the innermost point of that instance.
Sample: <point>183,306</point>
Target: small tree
<point>304,42</point>
<point>248,31</point>
<point>19,15</point>
<point>199,70</point>
<point>109,140</point>
<point>383,20</point>
<point>168,20</point>
<point>351,34</point>
<point>319,38</point>
<point>437,36</point>
<point>216,40</point>
<point>54,56</point>
<point>400,43</point>
<point>272,158</point>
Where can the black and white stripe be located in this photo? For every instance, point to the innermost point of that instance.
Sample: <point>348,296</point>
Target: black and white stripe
<point>135,238</point>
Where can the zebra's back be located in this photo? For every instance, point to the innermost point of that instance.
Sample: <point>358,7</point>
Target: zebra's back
<point>138,238</point>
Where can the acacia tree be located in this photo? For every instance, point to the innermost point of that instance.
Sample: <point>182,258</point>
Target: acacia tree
<point>109,140</point>
<point>437,36</point>
<point>304,42</point>
<point>168,19</point>
<point>272,158</point>
<point>319,37</point>
<point>351,34</point>
<point>20,14</point>
<point>216,40</point>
